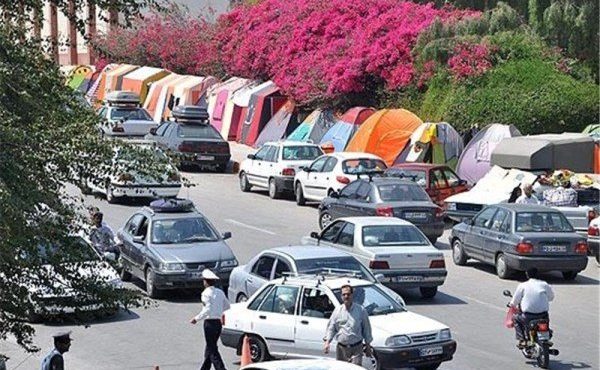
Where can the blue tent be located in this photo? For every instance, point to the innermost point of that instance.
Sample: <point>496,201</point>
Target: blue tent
<point>339,135</point>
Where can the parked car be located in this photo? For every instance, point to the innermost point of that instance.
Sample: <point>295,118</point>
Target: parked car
<point>594,238</point>
<point>331,172</point>
<point>303,365</point>
<point>288,317</point>
<point>274,263</point>
<point>275,164</point>
<point>515,237</point>
<point>168,245</point>
<point>132,184</point>
<point>122,116</point>
<point>385,196</point>
<point>439,181</point>
<point>190,136</point>
<point>391,247</point>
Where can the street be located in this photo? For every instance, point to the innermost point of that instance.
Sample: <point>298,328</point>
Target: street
<point>470,301</point>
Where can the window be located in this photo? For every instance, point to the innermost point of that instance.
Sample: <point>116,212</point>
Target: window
<point>117,114</point>
<point>162,128</point>
<point>281,300</point>
<point>170,130</point>
<point>301,153</point>
<point>437,180</point>
<point>102,112</point>
<point>271,155</point>
<point>498,220</point>
<point>330,165</point>
<point>133,223</point>
<point>354,166</point>
<point>542,222</point>
<point>451,177</point>
<point>331,232</point>
<point>347,235</point>
<point>143,229</point>
<point>315,303</point>
<point>343,264</point>
<point>182,230</point>
<point>392,235</point>
<point>281,267</point>
<point>263,267</point>
<point>484,217</point>
<point>262,153</point>
<point>363,192</point>
<point>373,299</point>
<point>349,191</point>
<point>417,176</point>
<point>259,298</point>
<point>317,166</point>
<point>197,132</point>
<point>402,193</point>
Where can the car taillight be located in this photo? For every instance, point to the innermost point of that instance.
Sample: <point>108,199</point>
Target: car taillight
<point>125,177</point>
<point>379,265</point>
<point>542,326</point>
<point>288,172</point>
<point>592,214</point>
<point>581,247</point>
<point>223,319</point>
<point>437,264</point>
<point>524,248</point>
<point>342,179</point>
<point>440,213</point>
<point>118,129</point>
<point>593,231</point>
<point>384,211</point>
<point>185,147</point>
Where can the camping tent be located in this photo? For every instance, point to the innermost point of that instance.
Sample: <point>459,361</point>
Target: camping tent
<point>265,100</point>
<point>77,75</point>
<point>314,127</point>
<point>340,134</point>
<point>280,125</point>
<point>357,115</point>
<point>189,90</point>
<point>235,110</point>
<point>474,162</point>
<point>114,77</point>
<point>96,92</point>
<point>594,131</point>
<point>436,143</point>
<point>572,151</point>
<point>385,134</point>
<point>89,80</point>
<point>139,80</point>
<point>158,96</point>
<point>217,99</point>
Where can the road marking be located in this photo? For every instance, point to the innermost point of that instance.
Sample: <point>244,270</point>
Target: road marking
<point>250,226</point>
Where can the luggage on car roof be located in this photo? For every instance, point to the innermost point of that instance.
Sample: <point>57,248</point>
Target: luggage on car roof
<point>190,113</point>
<point>172,205</point>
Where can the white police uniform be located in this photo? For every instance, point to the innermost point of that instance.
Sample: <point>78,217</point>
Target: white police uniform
<point>46,361</point>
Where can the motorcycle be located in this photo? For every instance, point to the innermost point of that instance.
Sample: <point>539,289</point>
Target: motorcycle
<point>537,337</point>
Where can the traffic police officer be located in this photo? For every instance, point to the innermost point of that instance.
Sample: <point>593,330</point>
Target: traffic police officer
<point>215,303</point>
<point>54,359</point>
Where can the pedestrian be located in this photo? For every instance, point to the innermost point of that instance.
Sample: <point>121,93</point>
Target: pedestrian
<point>102,236</point>
<point>215,303</point>
<point>527,196</point>
<point>54,360</point>
<point>349,325</point>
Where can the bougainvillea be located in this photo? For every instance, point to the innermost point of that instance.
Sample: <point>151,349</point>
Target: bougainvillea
<point>469,60</point>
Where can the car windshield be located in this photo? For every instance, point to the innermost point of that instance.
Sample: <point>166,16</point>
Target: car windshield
<point>199,131</point>
<point>334,265</point>
<point>118,114</point>
<point>301,153</point>
<point>542,222</point>
<point>417,176</point>
<point>182,230</point>
<point>373,299</point>
<point>402,193</point>
<point>392,235</point>
<point>85,252</point>
<point>356,166</point>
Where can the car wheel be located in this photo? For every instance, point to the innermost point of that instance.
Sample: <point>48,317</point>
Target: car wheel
<point>110,197</point>
<point>221,167</point>
<point>502,269</point>
<point>458,254</point>
<point>258,349</point>
<point>151,290</point>
<point>125,275</point>
<point>324,220</point>
<point>244,184</point>
<point>569,275</point>
<point>429,367</point>
<point>428,292</point>
<point>273,192</point>
<point>300,200</point>
<point>241,298</point>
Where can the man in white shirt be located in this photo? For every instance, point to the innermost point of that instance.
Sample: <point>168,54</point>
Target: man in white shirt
<point>533,297</point>
<point>527,196</point>
<point>215,303</point>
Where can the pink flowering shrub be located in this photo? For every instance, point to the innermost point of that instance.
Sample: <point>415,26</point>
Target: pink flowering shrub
<point>469,60</point>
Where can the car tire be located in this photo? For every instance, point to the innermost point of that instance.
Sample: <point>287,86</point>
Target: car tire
<point>429,367</point>
<point>258,349</point>
<point>428,292</point>
<point>244,184</point>
<point>274,193</point>
<point>325,219</point>
<point>300,200</point>
<point>502,269</point>
<point>569,275</point>
<point>459,257</point>
<point>241,298</point>
<point>150,277</point>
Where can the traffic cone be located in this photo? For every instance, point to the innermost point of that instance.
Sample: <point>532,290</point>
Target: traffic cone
<point>246,355</point>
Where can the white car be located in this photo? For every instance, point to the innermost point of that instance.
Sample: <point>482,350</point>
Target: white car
<point>288,317</point>
<point>303,365</point>
<point>122,116</point>
<point>331,172</point>
<point>275,164</point>
<point>391,247</point>
<point>132,184</point>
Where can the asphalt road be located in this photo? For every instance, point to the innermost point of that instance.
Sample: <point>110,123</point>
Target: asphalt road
<point>470,301</point>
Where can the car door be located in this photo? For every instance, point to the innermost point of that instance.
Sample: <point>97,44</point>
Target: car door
<point>126,238</point>
<point>455,184</point>
<point>438,185</point>
<point>282,267</point>
<point>329,235</point>
<point>169,140</point>
<point>328,178</point>
<point>159,137</point>
<point>497,235</point>
<point>312,187</point>
<point>339,207</point>
<point>270,164</point>
<point>255,170</point>
<point>139,249</point>
<point>275,319</point>
<point>260,273</point>
<point>360,203</point>
<point>315,309</point>
<point>345,241</point>
<point>477,233</point>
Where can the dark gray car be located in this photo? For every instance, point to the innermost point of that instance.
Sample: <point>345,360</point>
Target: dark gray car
<point>169,244</point>
<point>385,196</point>
<point>515,237</point>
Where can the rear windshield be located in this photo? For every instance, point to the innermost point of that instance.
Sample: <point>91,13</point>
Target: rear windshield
<point>392,235</point>
<point>354,166</point>
<point>542,222</point>
<point>402,193</point>
<point>417,176</point>
<point>129,113</point>
<point>333,265</point>
<point>198,132</point>
<point>301,153</point>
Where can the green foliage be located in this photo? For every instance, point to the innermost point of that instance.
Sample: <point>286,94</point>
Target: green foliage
<point>517,45</point>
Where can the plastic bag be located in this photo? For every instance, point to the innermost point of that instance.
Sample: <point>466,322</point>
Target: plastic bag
<point>508,321</point>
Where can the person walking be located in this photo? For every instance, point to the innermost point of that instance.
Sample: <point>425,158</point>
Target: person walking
<point>54,360</point>
<point>349,325</point>
<point>215,303</point>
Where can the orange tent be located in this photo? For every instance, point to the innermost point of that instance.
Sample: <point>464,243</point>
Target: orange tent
<point>385,134</point>
<point>140,79</point>
<point>153,99</point>
<point>114,78</point>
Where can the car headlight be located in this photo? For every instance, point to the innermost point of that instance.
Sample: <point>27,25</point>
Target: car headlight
<point>445,334</point>
<point>229,263</point>
<point>451,206</point>
<point>171,267</point>
<point>397,341</point>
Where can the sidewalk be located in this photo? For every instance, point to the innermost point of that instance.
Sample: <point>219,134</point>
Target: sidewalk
<point>239,152</point>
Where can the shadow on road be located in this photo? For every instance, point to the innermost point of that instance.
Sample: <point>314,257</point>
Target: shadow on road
<point>562,365</point>
<point>94,319</point>
<point>552,277</point>
<point>412,297</point>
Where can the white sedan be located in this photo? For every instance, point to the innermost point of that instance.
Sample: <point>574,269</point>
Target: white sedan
<point>391,247</point>
<point>303,365</point>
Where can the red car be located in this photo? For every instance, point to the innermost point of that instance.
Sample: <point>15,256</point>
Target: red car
<point>439,181</point>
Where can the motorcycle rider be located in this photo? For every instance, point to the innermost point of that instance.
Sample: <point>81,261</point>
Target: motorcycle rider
<point>533,298</point>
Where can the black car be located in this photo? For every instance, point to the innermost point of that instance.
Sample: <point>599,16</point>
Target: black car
<point>190,135</point>
<point>385,196</point>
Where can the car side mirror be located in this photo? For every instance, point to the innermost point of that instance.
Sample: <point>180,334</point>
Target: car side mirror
<point>138,239</point>
<point>314,235</point>
<point>468,221</point>
<point>507,293</point>
<point>334,195</point>
<point>380,277</point>
<point>109,256</point>
<point>227,235</point>
<point>251,156</point>
<point>153,131</point>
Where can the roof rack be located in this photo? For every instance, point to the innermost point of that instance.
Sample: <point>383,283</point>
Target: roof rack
<point>122,98</point>
<point>172,205</point>
<point>190,114</point>
<point>321,274</point>
<point>370,174</point>
<point>402,176</point>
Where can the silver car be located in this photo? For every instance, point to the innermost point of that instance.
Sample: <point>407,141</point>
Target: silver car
<point>122,116</point>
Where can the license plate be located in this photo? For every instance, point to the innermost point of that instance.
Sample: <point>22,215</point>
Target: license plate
<point>195,275</point>
<point>408,278</point>
<point>554,248</point>
<point>416,215</point>
<point>544,335</point>
<point>431,351</point>
<point>205,157</point>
